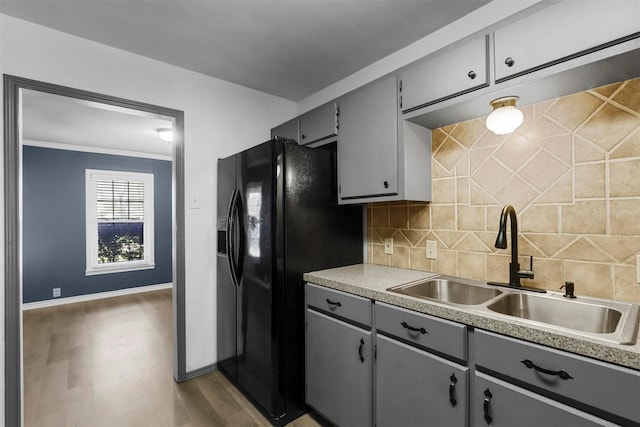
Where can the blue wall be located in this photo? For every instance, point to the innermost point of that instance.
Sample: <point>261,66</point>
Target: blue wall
<point>54,254</point>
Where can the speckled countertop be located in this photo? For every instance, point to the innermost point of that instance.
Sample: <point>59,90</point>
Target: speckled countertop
<point>371,281</point>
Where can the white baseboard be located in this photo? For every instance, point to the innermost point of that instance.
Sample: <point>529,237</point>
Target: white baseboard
<point>91,297</point>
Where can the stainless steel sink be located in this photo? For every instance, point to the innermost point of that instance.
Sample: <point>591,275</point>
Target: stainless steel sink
<point>610,320</point>
<point>447,290</point>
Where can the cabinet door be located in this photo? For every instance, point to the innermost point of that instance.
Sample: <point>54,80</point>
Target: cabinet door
<point>339,370</point>
<point>368,141</point>
<point>497,403</point>
<point>415,388</point>
<point>562,31</point>
<point>287,130</point>
<point>444,76</point>
<point>318,124</point>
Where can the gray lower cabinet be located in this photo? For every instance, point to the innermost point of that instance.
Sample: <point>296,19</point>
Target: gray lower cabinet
<point>497,403</point>
<point>339,370</point>
<point>416,388</point>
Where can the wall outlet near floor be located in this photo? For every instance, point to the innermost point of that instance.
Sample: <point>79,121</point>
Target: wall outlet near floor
<point>388,245</point>
<point>56,292</point>
<point>432,249</point>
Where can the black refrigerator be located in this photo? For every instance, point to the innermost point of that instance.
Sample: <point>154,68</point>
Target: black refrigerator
<point>278,217</point>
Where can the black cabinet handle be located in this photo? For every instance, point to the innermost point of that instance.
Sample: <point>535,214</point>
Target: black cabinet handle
<point>564,375</point>
<point>487,406</point>
<point>334,303</point>
<point>385,184</point>
<point>303,136</point>
<point>360,350</point>
<point>452,389</point>
<point>509,61</point>
<point>472,74</point>
<point>411,328</point>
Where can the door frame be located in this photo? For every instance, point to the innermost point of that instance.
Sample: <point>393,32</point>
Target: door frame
<point>12,224</point>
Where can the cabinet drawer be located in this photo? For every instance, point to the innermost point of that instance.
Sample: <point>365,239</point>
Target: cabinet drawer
<point>601,385</point>
<point>426,331</point>
<point>461,70</point>
<point>338,303</point>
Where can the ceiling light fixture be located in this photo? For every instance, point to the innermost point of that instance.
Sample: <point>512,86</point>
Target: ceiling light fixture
<point>166,134</point>
<point>505,117</point>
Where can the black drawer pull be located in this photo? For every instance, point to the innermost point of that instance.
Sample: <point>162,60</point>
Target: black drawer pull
<point>334,303</point>
<point>471,74</point>
<point>509,62</point>
<point>564,375</point>
<point>360,350</point>
<point>487,406</point>
<point>452,389</point>
<point>411,328</point>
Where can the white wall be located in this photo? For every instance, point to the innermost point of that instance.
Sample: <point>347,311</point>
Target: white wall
<point>475,21</point>
<point>220,119</point>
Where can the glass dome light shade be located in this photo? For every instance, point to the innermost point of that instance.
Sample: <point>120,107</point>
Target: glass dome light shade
<point>505,118</point>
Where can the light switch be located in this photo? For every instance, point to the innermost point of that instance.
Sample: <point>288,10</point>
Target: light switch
<point>194,201</point>
<point>388,246</point>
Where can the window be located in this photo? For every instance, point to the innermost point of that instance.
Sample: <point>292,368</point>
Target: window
<point>119,221</point>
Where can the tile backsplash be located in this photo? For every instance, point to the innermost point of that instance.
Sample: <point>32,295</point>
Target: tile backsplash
<point>572,172</point>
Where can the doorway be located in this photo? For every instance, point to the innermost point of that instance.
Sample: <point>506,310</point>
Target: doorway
<point>14,88</point>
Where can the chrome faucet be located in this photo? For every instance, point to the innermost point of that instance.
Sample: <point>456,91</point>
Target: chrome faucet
<point>515,274</point>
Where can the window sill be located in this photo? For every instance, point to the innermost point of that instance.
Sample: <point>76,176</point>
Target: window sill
<point>118,269</point>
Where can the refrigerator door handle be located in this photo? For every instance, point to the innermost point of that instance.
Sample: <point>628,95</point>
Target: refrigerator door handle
<point>239,223</point>
<point>230,236</point>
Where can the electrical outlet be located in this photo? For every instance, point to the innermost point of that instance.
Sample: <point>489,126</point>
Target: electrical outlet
<point>388,246</point>
<point>432,249</point>
<point>56,292</point>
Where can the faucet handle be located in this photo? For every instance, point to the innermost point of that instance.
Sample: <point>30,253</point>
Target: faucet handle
<point>527,274</point>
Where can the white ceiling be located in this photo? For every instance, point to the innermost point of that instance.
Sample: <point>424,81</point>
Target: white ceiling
<point>289,48</point>
<point>58,119</point>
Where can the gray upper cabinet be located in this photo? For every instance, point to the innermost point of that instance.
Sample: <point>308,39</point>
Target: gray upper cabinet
<point>446,75</point>
<point>318,124</point>
<point>378,159</point>
<point>594,24</point>
<point>287,130</point>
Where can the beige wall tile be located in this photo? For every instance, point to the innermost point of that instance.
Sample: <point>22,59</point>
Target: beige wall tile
<point>444,190</point>
<point>516,192</point>
<point>624,178</point>
<point>626,288</point>
<point>446,262</point>
<point>608,127</point>
<point>443,217</point>
<point>498,268</point>
<point>471,218</point>
<point>573,110</point>
<point>539,219</point>
<point>584,249</point>
<point>418,259</point>
<point>621,248</point>
<point>543,170</point>
<point>607,90</point>
<point>590,279</point>
<point>630,147</point>
<point>470,242</point>
<point>472,265</point>
<point>623,216</point>
<point>400,257</point>
<point>543,128</point>
<point>467,133</point>
<point>590,181</point>
<point>414,236</point>
<point>462,191</point>
<point>515,151</point>
<point>560,146</point>
<point>437,138</point>
<point>548,274</point>
<point>398,216</point>
<point>587,151</point>
<point>560,191</point>
<point>449,153</point>
<point>551,244</point>
<point>380,217</point>
<point>628,95</point>
<point>491,176</point>
<point>379,257</point>
<point>420,217</point>
<point>449,238</point>
<point>588,217</point>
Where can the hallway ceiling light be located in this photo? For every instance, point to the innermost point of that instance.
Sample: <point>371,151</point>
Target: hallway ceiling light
<point>166,134</point>
<point>505,117</point>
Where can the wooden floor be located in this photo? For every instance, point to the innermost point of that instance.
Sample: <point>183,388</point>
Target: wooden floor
<point>109,363</point>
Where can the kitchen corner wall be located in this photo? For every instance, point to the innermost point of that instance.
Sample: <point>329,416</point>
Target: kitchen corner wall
<point>572,171</point>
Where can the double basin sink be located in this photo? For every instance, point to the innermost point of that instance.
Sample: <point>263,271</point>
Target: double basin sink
<point>607,320</point>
